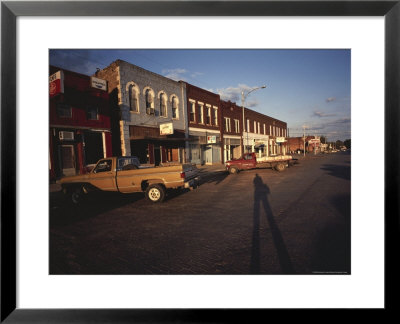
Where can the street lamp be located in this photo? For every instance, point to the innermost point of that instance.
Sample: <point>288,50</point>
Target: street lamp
<point>244,96</point>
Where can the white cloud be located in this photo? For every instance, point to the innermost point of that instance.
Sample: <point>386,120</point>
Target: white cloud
<point>234,94</point>
<point>321,114</point>
<point>175,74</point>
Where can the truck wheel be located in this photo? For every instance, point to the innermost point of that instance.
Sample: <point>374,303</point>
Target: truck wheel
<point>233,170</point>
<point>76,195</point>
<point>155,193</point>
<point>280,167</point>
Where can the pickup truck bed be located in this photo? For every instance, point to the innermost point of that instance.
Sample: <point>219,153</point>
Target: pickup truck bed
<point>251,161</point>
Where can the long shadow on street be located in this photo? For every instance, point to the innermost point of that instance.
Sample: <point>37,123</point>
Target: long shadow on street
<point>333,243</point>
<point>261,192</point>
<point>63,212</point>
<point>340,171</point>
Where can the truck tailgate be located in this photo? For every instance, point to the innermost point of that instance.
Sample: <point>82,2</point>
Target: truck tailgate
<point>190,170</point>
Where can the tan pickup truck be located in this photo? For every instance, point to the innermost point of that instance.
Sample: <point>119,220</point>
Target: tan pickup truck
<point>125,175</point>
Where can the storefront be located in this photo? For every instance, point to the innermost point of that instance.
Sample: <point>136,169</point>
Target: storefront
<point>73,151</point>
<point>150,147</point>
<point>232,147</point>
<point>204,147</point>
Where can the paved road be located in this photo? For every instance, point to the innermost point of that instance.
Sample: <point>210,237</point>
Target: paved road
<point>256,222</point>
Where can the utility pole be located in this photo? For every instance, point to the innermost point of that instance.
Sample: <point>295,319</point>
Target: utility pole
<point>304,139</point>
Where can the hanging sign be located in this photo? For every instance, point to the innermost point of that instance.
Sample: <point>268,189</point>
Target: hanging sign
<point>98,83</point>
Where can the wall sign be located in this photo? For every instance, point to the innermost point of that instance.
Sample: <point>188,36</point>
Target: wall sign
<point>211,139</point>
<point>167,129</point>
<point>56,85</point>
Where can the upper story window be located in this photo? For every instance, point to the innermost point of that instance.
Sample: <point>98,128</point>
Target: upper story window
<point>133,95</point>
<point>174,104</point>
<point>192,114</point>
<point>227,124</point>
<point>255,127</point>
<point>264,130</point>
<point>258,128</point>
<point>237,127</point>
<point>201,114</point>
<point>248,125</point>
<point>149,97</point>
<point>208,115</point>
<point>163,105</point>
<point>270,130</point>
<point>64,110</point>
<point>92,113</point>
<point>215,116</point>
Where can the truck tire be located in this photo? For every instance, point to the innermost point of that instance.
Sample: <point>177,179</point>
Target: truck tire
<point>155,193</point>
<point>280,167</point>
<point>233,170</point>
<point>76,195</point>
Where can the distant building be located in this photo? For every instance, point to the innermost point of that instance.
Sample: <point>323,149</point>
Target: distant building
<point>296,144</point>
<point>149,116</point>
<point>80,125</point>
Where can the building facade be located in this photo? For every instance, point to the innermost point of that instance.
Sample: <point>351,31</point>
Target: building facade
<point>80,123</point>
<point>231,127</point>
<point>263,134</point>
<point>204,121</point>
<point>149,114</point>
<point>299,144</point>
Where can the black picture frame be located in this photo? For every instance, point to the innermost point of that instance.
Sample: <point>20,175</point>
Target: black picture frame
<point>10,10</point>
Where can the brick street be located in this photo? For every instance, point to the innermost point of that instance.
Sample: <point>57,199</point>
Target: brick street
<point>255,222</point>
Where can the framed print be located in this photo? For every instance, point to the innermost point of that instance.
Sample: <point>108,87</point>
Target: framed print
<point>34,291</point>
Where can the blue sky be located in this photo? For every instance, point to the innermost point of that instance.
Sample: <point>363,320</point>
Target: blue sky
<point>309,88</point>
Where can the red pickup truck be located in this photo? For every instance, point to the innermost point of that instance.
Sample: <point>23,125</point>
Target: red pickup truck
<point>251,161</point>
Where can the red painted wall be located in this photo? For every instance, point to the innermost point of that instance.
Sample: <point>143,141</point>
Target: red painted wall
<point>79,94</point>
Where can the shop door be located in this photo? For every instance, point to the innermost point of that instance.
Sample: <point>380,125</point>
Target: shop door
<point>208,154</point>
<point>157,155</point>
<point>93,147</point>
<point>237,152</point>
<point>68,164</point>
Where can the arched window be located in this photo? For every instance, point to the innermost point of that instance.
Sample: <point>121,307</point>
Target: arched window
<point>149,102</point>
<point>163,105</point>
<point>174,103</point>
<point>133,98</point>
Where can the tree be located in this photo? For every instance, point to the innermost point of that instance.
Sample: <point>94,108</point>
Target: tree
<point>347,143</point>
<point>339,143</point>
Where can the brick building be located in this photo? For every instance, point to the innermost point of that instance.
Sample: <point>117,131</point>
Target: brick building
<point>231,127</point>
<point>264,134</point>
<point>80,126</point>
<point>296,144</point>
<point>149,115</point>
<point>204,120</point>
